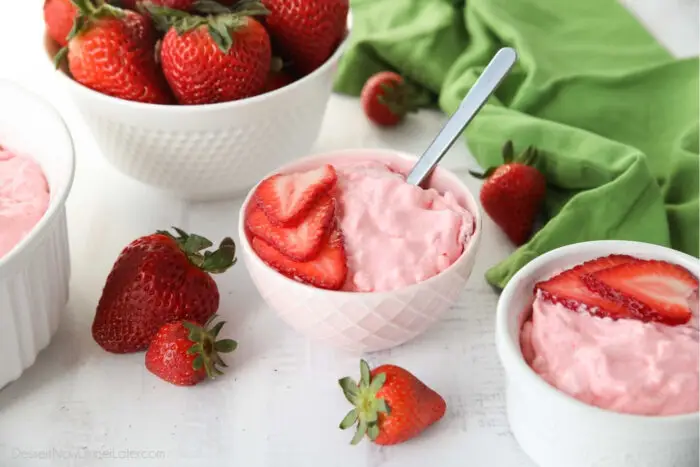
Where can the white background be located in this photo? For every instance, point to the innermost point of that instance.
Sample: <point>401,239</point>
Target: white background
<point>279,404</point>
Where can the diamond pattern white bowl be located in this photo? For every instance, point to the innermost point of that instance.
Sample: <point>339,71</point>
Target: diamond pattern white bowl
<point>206,152</point>
<point>365,322</point>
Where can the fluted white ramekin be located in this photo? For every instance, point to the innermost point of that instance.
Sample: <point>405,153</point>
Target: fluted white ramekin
<point>555,429</point>
<point>34,275</point>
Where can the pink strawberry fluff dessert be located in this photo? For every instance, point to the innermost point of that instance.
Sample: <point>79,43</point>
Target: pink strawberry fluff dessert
<point>620,333</point>
<point>396,234</point>
<point>386,234</point>
<point>24,198</point>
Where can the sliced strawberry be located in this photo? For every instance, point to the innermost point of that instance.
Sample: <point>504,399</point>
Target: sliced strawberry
<point>300,242</point>
<point>326,271</point>
<point>568,288</point>
<point>286,198</point>
<point>654,290</point>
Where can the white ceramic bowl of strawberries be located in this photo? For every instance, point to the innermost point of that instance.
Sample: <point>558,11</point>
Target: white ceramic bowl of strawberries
<point>362,321</point>
<point>183,116</point>
<point>35,273</point>
<point>557,429</point>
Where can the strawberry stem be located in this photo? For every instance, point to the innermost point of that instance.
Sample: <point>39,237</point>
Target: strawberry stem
<point>508,152</point>
<point>207,348</point>
<point>368,406</point>
<point>213,262</point>
<point>399,98</point>
<point>527,157</point>
<point>221,21</point>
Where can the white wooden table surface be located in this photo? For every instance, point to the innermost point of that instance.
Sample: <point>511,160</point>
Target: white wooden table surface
<point>279,404</point>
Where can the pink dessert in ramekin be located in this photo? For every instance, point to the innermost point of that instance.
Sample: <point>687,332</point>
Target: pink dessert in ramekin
<point>377,272</point>
<point>599,342</point>
<point>24,198</point>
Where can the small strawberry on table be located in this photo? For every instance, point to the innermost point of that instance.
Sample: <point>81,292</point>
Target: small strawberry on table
<point>391,405</point>
<point>158,279</point>
<point>184,353</point>
<point>386,99</point>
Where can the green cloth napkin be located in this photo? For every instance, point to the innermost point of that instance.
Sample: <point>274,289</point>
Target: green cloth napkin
<point>614,114</point>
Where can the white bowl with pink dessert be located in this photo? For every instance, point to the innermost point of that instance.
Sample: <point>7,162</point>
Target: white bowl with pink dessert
<point>406,253</point>
<point>599,341</point>
<point>36,174</point>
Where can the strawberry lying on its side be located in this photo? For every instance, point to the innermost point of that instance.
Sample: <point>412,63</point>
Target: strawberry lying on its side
<point>650,290</point>
<point>156,280</point>
<point>184,353</point>
<point>569,289</point>
<point>307,31</point>
<point>386,98</point>
<point>212,58</point>
<point>391,405</point>
<point>107,38</point>
<point>513,193</point>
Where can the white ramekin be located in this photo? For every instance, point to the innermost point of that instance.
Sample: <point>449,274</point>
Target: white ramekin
<point>34,275</point>
<point>205,152</point>
<point>365,322</point>
<point>557,430</point>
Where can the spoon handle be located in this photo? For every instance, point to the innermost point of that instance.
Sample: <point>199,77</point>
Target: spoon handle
<point>485,85</point>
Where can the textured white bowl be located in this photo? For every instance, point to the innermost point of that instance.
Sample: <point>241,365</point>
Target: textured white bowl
<point>34,275</point>
<point>206,152</point>
<point>365,322</point>
<point>556,430</point>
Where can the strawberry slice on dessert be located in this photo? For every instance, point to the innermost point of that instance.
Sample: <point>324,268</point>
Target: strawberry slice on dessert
<point>654,290</point>
<point>286,198</point>
<point>569,290</point>
<point>327,270</point>
<point>300,242</point>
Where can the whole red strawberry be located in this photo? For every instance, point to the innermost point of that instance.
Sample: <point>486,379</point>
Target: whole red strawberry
<point>391,405</point>
<point>513,193</point>
<point>158,279</point>
<point>307,31</point>
<point>112,52</point>
<point>386,98</point>
<point>213,58</point>
<point>184,353</point>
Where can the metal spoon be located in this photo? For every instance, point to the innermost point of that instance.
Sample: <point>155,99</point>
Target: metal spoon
<point>493,74</point>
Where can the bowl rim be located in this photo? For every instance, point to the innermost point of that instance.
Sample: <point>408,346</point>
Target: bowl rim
<point>511,357</point>
<point>219,106</point>
<point>473,244</point>
<point>56,203</point>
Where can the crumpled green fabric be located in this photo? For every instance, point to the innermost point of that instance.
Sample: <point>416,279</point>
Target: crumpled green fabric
<point>614,114</point>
